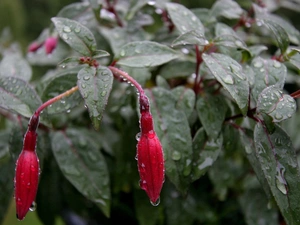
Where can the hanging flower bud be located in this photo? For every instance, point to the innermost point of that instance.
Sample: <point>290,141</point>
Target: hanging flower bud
<point>50,44</point>
<point>150,159</point>
<point>27,171</point>
<point>34,46</point>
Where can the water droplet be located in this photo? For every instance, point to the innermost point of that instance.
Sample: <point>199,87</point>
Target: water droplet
<point>280,180</point>
<point>137,50</point>
<point>122,53</point>
<point>258,64</point>
<point>138,136</point>
<point>276,64</point>
<point>248,149</point>
<point>176,155</point>
<point>183,28</point>
<point>33,206</point>
<point>19,202</point>
<point>65,36</point>
<point>143,184</point>
<point>103,93</point>
<point>32,168</point>
<point>86,77</point>
<point>83,86</point>
<point>185,51</point>
<point>155,203</point>
<point>77,29</point>
<point>194,18</point>
<point>239,44</point>
<point>67,29</point>
<point>228,79</point>
<point>151,2</point>
<point>151,134</point>
<point>278,116</point>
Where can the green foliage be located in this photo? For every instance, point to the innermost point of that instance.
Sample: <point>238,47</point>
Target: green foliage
<point>222,78</point>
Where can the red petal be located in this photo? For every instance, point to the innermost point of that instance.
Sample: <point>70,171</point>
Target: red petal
<point>26,181</point>
<point>150,165</point>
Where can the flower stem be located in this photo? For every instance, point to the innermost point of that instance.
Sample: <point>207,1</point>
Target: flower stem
<point>119,73</point>
<point>55,99</point>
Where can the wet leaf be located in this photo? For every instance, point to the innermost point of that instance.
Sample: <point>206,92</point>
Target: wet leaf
<point>77,36</point>
<point>279,162</point>
<point>255,208</point>
<point>173,131</point>
<point>73,10</point>
<point>205,152</point>
<point>191,37</point>
<point>278,32</point>
<point>273,102</point>
<point>82,163</point>
<point>267,72</point>
<point>226,8</point>
<point>95,86</point>
<point>14,65</point>
<point>18,96</point>
<point>230,74</point>
<point>211,111</point>
<point>58,85</point>
<point>175,69</point>
<point>7,167</point>
<point>184,19</point>
<point>186,99</point>
<point>145,54</point>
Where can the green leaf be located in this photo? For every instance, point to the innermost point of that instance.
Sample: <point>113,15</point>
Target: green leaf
<point>82,163</point>
<point>174,132</point>
<point>184,19</point>
<point>230,74</point>
<point>267,72</point>
<point>279,33</point>
<point>18,96</point>
<point>145,54</point>
<point>246,138</point>
<point>161,82</point>
<point>256,50</point>
<point>205,151</point>
<point>191,37</point>
<point>79,37</point>
<point>178,209</point>
<point>58,85</point>
<point>14,65</point>
<point>226,36</point>
<point>255,208</point>
<point>226,8</point>
<point>95,86</point>
<point>273,102</point>
<point>7,167</point>
<point>175,69</point>
<point>135,6</point>
<point>279,162</point>
<point>119,36</point>
<point>186,99</point>
<point>144,210</point>
<point>73,10</point>
<point>211,111</point>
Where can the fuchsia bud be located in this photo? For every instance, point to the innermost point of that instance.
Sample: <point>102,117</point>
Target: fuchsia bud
<point>34,46</point>
<point>50,44</point>
<point>150,156</point>
<point>27,172</point>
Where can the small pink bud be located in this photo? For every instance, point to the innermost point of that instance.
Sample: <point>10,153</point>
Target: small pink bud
<point>150,159</point>
<point>34,46</point>
<point>27,175</point>
<point>50,44</point>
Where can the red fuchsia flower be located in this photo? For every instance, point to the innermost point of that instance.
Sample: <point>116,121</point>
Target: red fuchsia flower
<point>34,46</point>
<point>150,157</point>
<point>27,172</point>
<point>50,44</point>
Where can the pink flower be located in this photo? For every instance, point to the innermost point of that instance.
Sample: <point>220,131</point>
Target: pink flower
<point>50,44</point>
<point>34,46</point>
<point>27,175</point>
